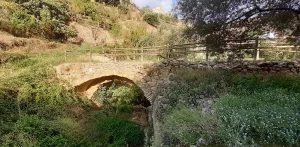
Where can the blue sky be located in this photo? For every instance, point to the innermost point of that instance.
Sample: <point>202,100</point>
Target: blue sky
<point>166,4</point>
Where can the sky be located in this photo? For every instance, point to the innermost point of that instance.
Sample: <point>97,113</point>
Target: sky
<point>167,5</point>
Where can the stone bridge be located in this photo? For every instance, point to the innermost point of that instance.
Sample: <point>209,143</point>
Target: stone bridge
<point>151,77</point>
<point>87,76</point>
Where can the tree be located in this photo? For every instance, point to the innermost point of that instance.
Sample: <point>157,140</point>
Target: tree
<point>230,19</point>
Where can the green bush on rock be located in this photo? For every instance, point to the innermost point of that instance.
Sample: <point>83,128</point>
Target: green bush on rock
<point>152,19</point>
<point>115,132</point>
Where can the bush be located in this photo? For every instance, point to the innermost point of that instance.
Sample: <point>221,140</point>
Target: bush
<point>247,84</point>
<point>193,85</point>
<point>37,18</point>
<point>168,18</point>
<point>117,132</point>
<point>18,22</point>
<point>57,8</point>
<point>152,19</point>
<point>32,131</point>
<point>116,30</point>
<point>32,100</point>
<point>118,94</point>
<point>187,126</point>
<point>264,117</point>
<point>134,35</point>
<point>11,57</point>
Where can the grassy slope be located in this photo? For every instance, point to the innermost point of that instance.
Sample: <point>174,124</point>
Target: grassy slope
<point>36,110</point>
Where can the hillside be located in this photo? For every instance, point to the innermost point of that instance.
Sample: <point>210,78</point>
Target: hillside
<point>78,21</point>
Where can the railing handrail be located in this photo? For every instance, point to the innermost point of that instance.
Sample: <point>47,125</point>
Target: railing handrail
<point>231,45</point>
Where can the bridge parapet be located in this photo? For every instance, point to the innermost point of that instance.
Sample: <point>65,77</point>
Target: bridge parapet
<point>148,76</point>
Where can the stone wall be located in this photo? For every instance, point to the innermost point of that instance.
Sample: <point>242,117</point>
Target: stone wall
<point>148,75</point>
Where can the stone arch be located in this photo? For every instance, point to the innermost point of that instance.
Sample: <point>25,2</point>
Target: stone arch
<point>86,86</point>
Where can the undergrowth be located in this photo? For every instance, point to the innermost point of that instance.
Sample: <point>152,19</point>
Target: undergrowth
<point>250,109</point>
<point>37,110</point>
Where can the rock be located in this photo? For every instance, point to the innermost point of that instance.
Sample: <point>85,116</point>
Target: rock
<point>75,40</point>
<point>201,142</point>
<point>262,64</point>
<point>202,96</point>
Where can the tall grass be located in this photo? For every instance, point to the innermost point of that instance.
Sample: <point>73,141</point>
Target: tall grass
<point>251,109</point>
<point>37,110</point>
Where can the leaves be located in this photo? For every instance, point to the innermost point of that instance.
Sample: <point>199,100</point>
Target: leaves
<point>231,19</point>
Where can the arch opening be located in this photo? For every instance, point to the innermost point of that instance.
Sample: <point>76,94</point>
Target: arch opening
<point>91,87</point>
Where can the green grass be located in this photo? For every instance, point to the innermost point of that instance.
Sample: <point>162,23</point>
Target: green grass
<point>37,110</point>
<point>251,109</point>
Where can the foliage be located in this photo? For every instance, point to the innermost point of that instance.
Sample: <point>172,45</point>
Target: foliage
<point>133,35</point>
<point>116,30</point>
<point>18,21</point>
<point>187,126</point>
<point>119,132</point>
<point>118,94</point>
<point>37,18</point>
<point>265,117</point>
<point>216,20</point>
<point>152,19</point>
<point>114,2</point>
<point>11,57</point>
<point>34,131</point>
<point>89,9</point>
<point>260,110</point>
<point>30,99</point>
<point>253,110</point>
<point>193,85</point>
<point>248,84</point>
<point>58,10</point>
<point>168,18</point>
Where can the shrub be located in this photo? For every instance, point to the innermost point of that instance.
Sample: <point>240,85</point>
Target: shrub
<point>247,84</point>
<point>264,117</point>
<point>52,18</point>
<point>119,132</point>
<point>18,22</point>
<point>152,19</point>
<point>188,126</point>
<point>197,84</point>
<point>8,110</point>
<point>117,95</point>
<point>39,129</point>
<point>134,35</point>
<point>18,139</point>
<point>168,18</point>
<point>32,98</point>
<point>58,9</point>
<point>11,57</point>
<point>116,30</point>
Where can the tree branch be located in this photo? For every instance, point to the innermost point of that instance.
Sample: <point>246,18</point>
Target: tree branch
<point>259,10</point>
<point>279,9</point>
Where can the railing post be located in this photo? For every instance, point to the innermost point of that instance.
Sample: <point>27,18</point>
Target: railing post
<point>295,53</point>
<point>91,56</point>
<point>142,54</point>
<point>206,54</point>
<point>186,53</point>
<point>256,49</point>
<point>115,55</point>
<point>168,51</point>
<point>66,55</point>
